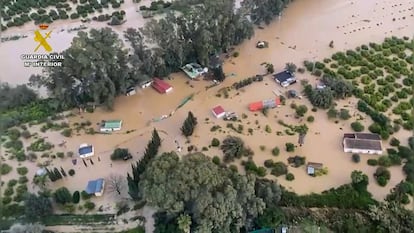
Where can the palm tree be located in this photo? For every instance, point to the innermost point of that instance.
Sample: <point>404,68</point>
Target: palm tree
<point>184,223</point>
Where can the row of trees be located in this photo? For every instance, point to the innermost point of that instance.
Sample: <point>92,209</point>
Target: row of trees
<point>151,151</point>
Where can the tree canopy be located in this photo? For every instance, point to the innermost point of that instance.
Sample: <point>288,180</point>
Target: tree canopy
<point>216,199</point>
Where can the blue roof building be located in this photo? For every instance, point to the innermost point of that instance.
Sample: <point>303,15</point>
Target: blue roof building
<point>95,187</point>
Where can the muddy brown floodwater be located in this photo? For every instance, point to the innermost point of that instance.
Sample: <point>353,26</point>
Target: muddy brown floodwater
<point>302,33</point>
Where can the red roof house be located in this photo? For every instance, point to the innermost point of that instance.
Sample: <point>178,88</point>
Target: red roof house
<point>161,86</point>
<point>218,111</point>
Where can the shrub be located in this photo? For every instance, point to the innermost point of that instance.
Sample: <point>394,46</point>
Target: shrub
<point>344,114</point>
<point>384,161</point>
<point>13,134</point>
<point>76,197</point>
<point>290,147</point>
<point>279,168</point>
<point>8,191</point>
<point>394,142</point>
<point>275,151</point>
<point>372,162</point>
<point>69,154</point>
<point>233,168</point>
<point>269,163</point>
<point>301,110</point>
<point>215,142</point>
<point>382,175</point>
<point>5,169</point>
<point>85,195</point>
<point>268,129</point>
<point>261,171</point>
<point>67,132</point>
<point>71,172</point>
<point>23,180</point>
<point>332,113</point>
<point>62,196</point>
<point>289,177</point>
<point>356,158</point>
<point>26,134</point>
<point>310,119</point>
<point>236,54</point>
<point>12,183</point>
<point>357,126</point>
<point>216,160</point>
<point>6,200</point>
<point>89,205</point>
<point>119,154</point>
<point>22,171</point>
<point>262,147</point>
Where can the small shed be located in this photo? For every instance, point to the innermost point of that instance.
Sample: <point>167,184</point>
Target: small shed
<point>218,111</point>
<point>86,151</point>
<point>311,168</point>
<point>110,126</point>
<point>95,187</point>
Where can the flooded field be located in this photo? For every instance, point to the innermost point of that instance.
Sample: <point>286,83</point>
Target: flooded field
<point>303,32</point>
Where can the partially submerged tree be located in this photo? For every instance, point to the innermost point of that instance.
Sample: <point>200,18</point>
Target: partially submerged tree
<point>37,206</point>
<point>189,124</point>
<point>184,223</point>
<point>26,228</point>
<point>291,67</point>
<point>232,147</point>
<point>115,184</point>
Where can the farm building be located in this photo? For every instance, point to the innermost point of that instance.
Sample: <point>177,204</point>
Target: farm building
<point>311,168</point>
<point>194,70</point>
<point>362,143</point>
<point>271,103</point>
<point>95,187</point>
<point>284,78</point>
<point>86,151</point>
<point>109,126</point>
<point>161,86</point>
<point>218,111</point>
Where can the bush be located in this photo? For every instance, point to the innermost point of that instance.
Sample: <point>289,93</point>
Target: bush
<point>23,180</point>
<point>289,177</point>
<point>357,126</point>
<point>275,151</point>
<point>382,175</point>
<point>261,171</point>
<point>6,200</point>
<point>216,160</point>
<point>8,191</point>
<point>394,142</point>
<point>215,142</point>
<point>290,147</point>
<point>5,169</point>
<point>301,110</point>
<point>71,172</point>
<point>119,154</point>
<point>279,168</point>
<point>310,119</point>
<point>356,158</point>
<point>372,162</point>
<point>269,163</point>
<point>26,134</point>
<point>85,195</point>
<point>67,132</point>
<point>76,197</point>
<point>89,205</point>
<point>233,168</point>
<point>62,196</point>
<point>344,114</point>
<point>332,113</point>
<point>12,183</point>
<point>384,161</point>
<point>13,134</point>
<point>22,171</point>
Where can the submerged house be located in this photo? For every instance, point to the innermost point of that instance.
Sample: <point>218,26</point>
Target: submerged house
<point>218,111</point>
<point>312,168</point>
<point>284,78</point>
<point>161,86</point>
<point>110,126</point>
<point>362,143</point>
<point>259,105</point>
<point>86,151</point>
<point>194,70</point>
<point>95,187</point>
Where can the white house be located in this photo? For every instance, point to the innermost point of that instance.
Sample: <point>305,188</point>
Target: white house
<point>362,143</point>
<point>110,126</point>
<point>218,111</point>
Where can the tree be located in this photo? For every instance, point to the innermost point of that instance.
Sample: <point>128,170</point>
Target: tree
<point>232,147</point>
<point>357,126</point>
<point>359,180</point>
<point>301,110</point>
<point>156,138</point>
<point>62,196</point>
<point>184,223</point>
<point>302,130</point>
<point>115,183</point>
<point>27,228</point>
<point>322,98</point>
<point>269,68</point>
<point>189,124</point>
<point>391,217</point>
<point>217,199</point>
<point>95,70</point>
<point>120,154</point>
<point>37,206</point>
<point>291,67</point>
<point>41,181</point>
<point>18,96</point>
